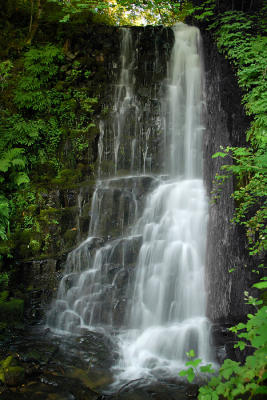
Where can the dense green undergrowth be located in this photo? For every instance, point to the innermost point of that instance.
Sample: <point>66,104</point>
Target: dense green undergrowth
<point>45,106</point>
<point>241,37</point>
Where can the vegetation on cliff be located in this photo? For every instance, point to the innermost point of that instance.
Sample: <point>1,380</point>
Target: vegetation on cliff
<point>240,34</point>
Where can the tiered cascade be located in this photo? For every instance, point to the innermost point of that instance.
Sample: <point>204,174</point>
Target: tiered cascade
<point>142,266</point>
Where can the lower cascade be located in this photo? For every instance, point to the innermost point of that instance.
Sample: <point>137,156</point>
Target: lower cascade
<point>141,270</point>
<point>167,314</point>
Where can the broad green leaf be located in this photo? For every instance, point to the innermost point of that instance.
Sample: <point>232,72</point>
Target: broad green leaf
<point>21,178</point>
<point>195,363</point>
<point>4,165</point>
<point>260,285</point>
<point>190,353</point>
<point>207,368</point>
<point>190,375</point>
<point>261,390</point>
<point>219,154</point>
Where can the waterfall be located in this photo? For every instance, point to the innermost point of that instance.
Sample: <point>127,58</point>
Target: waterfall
<point>167,313</point>
<point>142,267</point>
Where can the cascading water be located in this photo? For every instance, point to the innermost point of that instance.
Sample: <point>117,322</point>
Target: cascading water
<point>167,314</point>
<point>159,225</point>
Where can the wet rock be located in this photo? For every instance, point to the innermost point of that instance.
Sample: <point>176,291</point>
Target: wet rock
<point>14,376</point>
<point>226,244</point>
<point>118,203</point>
<point>92,378</point>
<point>11,373</point>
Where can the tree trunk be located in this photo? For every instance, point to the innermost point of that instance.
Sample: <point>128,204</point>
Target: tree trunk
<point>34,25</point>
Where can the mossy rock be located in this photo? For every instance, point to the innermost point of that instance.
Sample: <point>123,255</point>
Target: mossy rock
<point>70,236</point>
<point>27,243</point>
<point>26,236</point>
<point>67,177</point>
<point>12,376</point>
<point>48,212</point>
<point>92,380</point>
<point>12,310</point>
<point>11,373</point>
<point>4,295</point>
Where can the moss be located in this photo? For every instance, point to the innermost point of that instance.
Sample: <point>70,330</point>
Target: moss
<point>5,248</point>
<point>70,237</point>
<point>67,176</point>
<point>4,295</point>
<point>11,311</point>
<point>35,246</point>
<point>26,243</point>
<point>23,251</point>
<point>8,362</point>
<point>25,236</point>
<point>10,373</point>
<point>49,211</point>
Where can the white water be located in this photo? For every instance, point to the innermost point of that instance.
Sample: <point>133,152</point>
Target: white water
<point>167,314</point>
<point>166,310</point>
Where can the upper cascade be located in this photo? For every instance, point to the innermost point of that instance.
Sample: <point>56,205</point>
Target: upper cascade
<point>183,104</point>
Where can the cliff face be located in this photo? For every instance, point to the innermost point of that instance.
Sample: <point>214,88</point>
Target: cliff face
<point>226,125</point>
<point>64,212</point>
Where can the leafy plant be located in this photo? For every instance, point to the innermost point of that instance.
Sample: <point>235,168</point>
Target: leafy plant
<point>12,176</point>
<point>250,169</point>
<point>195,368</point>
<point>235,380</point>
<point>5,68</point>
<point>4,279</point>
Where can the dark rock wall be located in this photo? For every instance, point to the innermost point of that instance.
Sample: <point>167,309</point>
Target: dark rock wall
<point>66,208</point>
<point>226,245</point>
<point>139,121</point>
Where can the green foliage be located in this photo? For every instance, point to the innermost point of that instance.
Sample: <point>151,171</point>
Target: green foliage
<point>123,12</point>
<point>4,216</point>
<point>11,310</point>
<point>235,380</point>
<point>240,37</point>
<point>46,103</point>
<point>203,12</point>
<point>195,368</point>
<point>5,68</point>
<point>4,279</point>
<point>261,285</point>
<point>12,176</point>
<point>73,8</point>
<point>250,168</point>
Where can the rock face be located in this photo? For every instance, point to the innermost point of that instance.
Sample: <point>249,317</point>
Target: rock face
<point>94,288</point>
<point>226,125</point>
<point>131,137</point>
<point>67,209</point>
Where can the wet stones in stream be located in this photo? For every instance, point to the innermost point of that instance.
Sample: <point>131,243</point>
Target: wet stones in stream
<point>39,365</point>
<point>48,367</point>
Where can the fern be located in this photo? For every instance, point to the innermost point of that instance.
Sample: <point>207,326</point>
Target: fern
<point>4,216</point>
<point>21,178</point>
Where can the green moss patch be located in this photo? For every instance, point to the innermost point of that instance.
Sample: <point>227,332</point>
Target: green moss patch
<point>11,311</point>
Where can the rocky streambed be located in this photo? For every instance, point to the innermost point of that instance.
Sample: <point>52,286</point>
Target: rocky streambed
<point>37,364</point>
